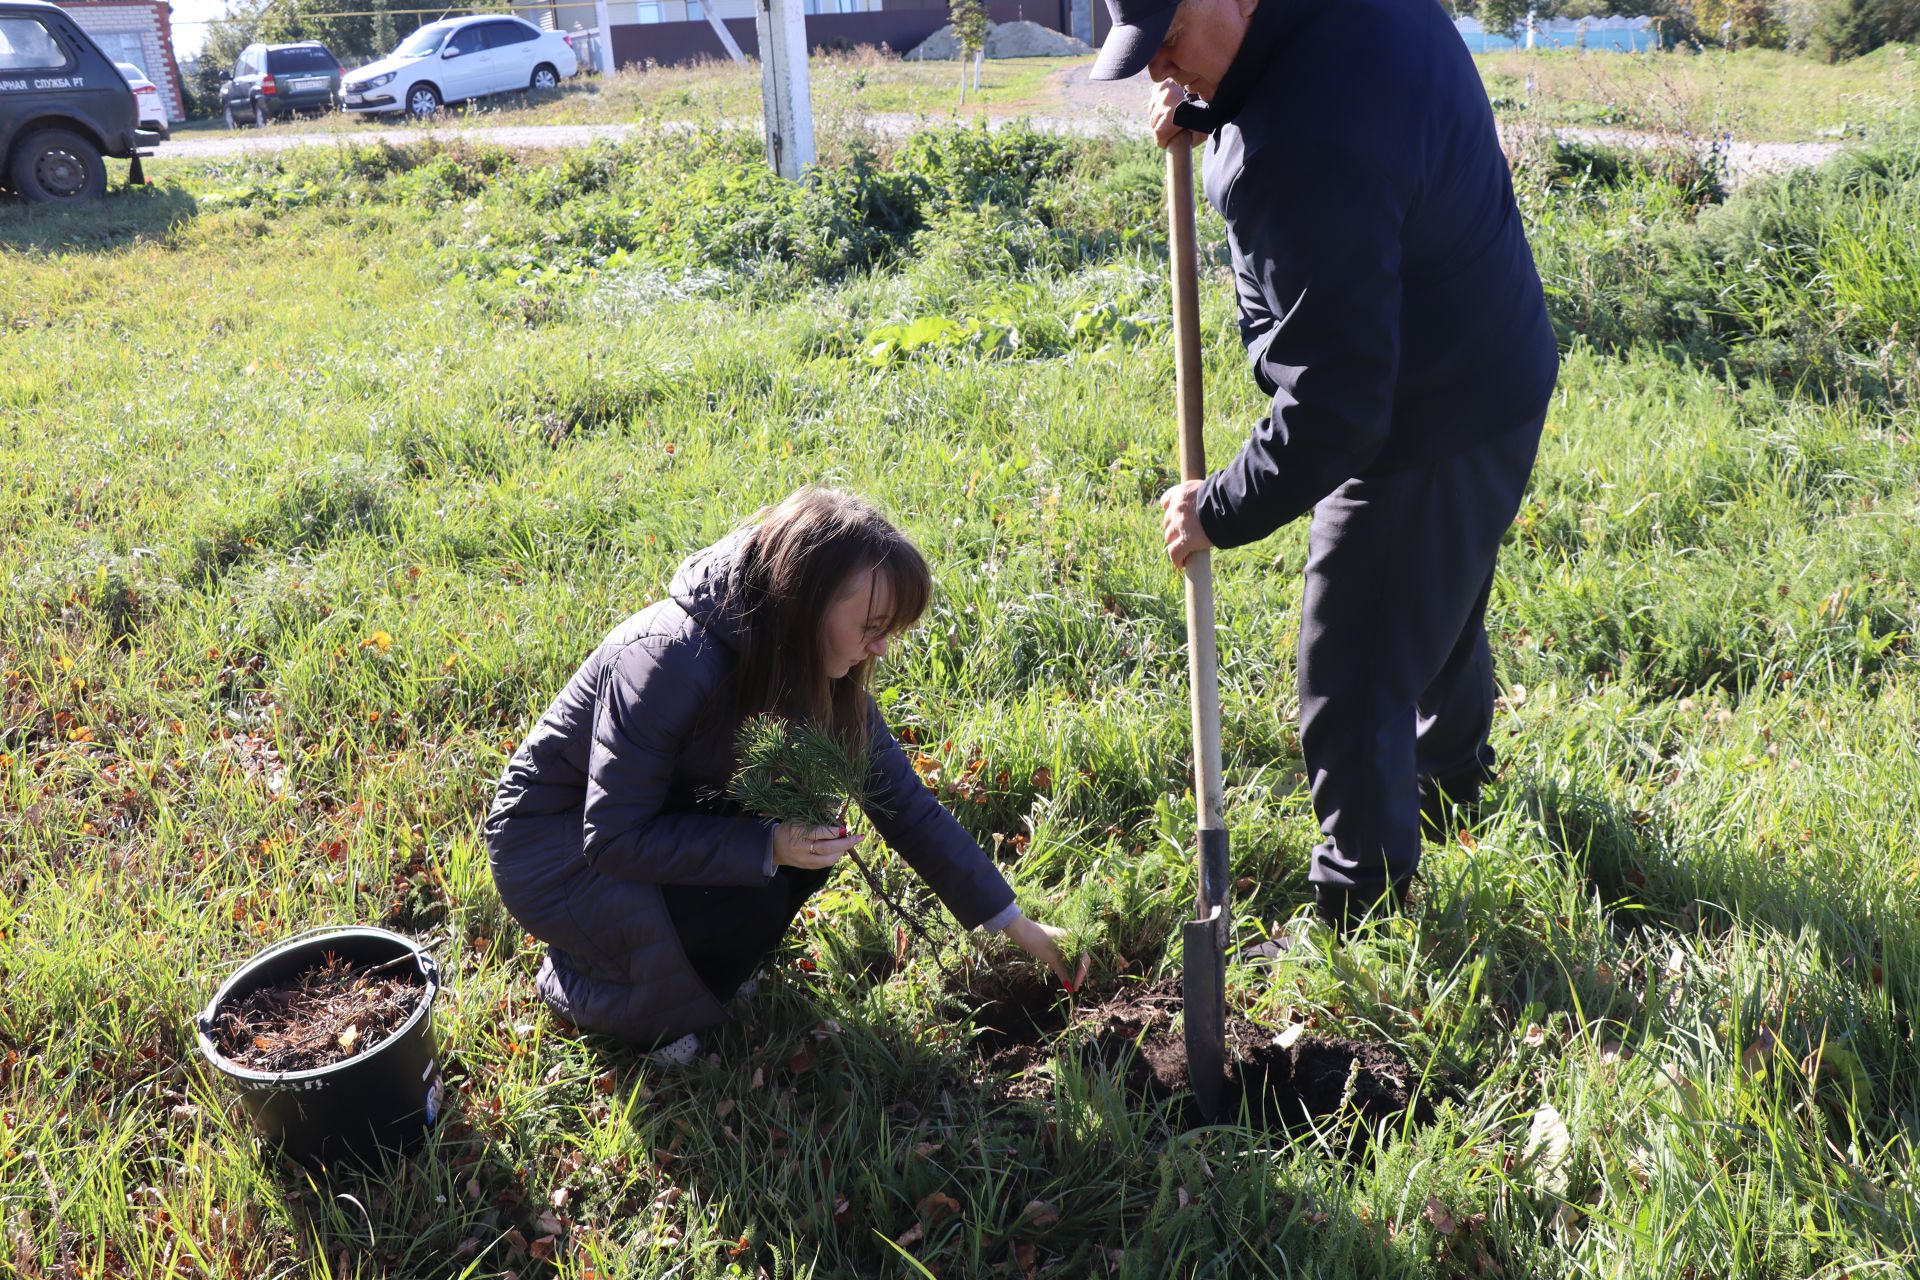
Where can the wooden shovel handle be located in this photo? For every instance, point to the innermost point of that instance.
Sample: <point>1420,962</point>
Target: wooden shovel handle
<point>1203,658</point>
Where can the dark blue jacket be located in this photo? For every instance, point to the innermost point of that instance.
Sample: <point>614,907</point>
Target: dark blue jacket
<point>1388,298</point>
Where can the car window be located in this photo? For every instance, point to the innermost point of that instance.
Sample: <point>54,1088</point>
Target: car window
<point>243,65</point>
<point>421,43</point>
<point>500,35</point>
<point>27,45</point>
<point>306,58</point>
<point>467,40</point>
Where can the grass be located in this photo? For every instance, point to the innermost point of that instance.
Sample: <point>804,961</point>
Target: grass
<point>1756,94</point>
<point>325,470</point>
<point>849,84</point>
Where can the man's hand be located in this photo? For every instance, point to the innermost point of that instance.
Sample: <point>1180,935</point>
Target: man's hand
<point>1042,942</point>
<point>1181,522</point>
<point>810,848</point>
<point>1167,95</point>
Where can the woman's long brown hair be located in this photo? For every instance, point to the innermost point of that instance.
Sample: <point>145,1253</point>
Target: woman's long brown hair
<point>799,558</point>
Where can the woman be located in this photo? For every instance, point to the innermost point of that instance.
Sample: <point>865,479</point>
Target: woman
<point>655,899</point>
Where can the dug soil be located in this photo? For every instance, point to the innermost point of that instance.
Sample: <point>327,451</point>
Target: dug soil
<point>323,1015</point>
<point>1273,1082</point>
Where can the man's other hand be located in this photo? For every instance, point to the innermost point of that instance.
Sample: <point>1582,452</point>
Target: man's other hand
<point>1180,522</point>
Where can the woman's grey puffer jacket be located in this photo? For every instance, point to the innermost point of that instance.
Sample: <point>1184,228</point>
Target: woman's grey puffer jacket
<point>614,793</point>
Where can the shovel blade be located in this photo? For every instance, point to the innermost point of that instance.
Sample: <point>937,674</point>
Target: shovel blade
<point>1204,984</point>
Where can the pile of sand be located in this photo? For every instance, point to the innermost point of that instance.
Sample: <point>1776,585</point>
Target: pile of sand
<point>1004,40</point>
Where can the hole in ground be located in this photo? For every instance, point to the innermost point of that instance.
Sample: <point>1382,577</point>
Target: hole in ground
<point>1271,1085</point>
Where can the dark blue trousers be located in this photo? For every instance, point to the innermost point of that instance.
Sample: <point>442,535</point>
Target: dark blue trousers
<point>1395,677</point>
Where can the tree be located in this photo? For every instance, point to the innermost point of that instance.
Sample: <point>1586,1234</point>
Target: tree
<point>970,29</point>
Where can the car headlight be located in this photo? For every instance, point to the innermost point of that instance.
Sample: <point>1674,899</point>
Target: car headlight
<point>377,81</point>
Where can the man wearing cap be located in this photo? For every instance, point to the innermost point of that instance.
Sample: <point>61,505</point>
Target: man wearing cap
<point>1389,306</point>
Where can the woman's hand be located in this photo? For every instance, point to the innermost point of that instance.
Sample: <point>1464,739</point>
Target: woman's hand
<point>1042,942</point>
<point>1167,95</point>
<point>810,848</point>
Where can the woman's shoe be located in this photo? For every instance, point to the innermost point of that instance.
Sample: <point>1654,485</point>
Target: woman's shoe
<point>678,1053</point>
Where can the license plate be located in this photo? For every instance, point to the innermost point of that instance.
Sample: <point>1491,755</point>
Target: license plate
<point>353,98</point>
<point>316,82</point>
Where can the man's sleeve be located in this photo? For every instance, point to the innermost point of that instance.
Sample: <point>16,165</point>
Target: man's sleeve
<point>1318,230</point>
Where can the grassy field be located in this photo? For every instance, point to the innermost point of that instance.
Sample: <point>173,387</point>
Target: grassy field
<point>862,82</point>
<point>324,471</point>
<point>1756,94</point>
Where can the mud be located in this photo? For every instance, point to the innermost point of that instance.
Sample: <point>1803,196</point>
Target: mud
<point>1134,1029</point>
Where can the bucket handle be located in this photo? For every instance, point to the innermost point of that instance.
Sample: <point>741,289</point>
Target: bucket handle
<point>429,969</point>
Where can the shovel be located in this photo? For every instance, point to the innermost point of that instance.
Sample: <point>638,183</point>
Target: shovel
<point>1204,979</point>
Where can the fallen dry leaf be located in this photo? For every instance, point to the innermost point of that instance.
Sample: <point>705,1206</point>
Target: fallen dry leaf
<point>910,1237</point>
<point>1040,1215</point>
<point>543,1247</point>
<point>1185,1199</point>
<point>724,1109</point>
<point>1536,1035</point>
<point>1023,1253</point>
<point>1614,1051</point>
<point>802,1058</point>
<point>1439,1217</point>
<point>1756,1056</point>
<point>937,1206</point>
<point>925,1149</point>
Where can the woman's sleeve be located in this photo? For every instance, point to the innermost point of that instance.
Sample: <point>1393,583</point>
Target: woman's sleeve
<point>654,694</point>
<point>933,842</point>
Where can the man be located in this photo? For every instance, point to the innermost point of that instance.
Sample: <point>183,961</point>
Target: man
<point>1389,305</point>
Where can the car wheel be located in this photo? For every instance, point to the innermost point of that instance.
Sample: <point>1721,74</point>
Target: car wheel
<point>545,79</point>
<point>260,116</point>
<point>60,166</point>
<point>423,100</point>
<point>227,109</point>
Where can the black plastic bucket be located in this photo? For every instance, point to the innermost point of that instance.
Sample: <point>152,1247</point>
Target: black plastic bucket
<point>381,1100</point>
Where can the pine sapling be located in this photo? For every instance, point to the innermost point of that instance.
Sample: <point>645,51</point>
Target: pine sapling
<point>805,775</point>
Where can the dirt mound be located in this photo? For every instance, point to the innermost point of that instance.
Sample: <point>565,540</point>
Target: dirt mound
<point>1004,40</point>
<point>1276,1082</point>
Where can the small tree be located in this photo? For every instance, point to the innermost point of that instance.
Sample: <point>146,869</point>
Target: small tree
<point>970,29</point>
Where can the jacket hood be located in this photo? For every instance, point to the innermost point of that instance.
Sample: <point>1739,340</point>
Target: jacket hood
<point>702,586</point>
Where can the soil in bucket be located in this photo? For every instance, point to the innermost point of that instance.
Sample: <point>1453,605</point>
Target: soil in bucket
<point>328,1037</point>
<point>322,1015</point>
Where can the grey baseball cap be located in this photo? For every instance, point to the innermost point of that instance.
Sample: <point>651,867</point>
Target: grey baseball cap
<point>1138,28</point>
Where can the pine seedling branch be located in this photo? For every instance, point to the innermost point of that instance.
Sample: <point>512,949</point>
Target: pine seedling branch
<point>804,775</point>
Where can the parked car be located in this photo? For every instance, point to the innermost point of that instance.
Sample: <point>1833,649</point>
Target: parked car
<point>269,81</point>
<point>63,107</point>
<point>146,99</point>
<point>460,58</point>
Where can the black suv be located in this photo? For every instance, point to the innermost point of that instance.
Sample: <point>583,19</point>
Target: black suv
<point>63,105</point>
<point>274,80</point>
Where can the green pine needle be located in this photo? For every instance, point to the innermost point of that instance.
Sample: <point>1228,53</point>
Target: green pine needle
<point>797,773</point>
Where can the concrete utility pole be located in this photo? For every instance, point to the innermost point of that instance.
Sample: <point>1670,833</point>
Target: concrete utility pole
<point>727,41</point>
<point>784,90</point>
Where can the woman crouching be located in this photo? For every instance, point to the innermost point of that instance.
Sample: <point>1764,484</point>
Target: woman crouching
<point>608,837</point>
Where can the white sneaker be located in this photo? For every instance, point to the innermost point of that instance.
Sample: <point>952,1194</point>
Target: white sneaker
<point>679,1053</point>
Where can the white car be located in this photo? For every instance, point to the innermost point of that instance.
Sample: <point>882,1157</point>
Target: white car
<point>146,96</point>
<point>456,59</point>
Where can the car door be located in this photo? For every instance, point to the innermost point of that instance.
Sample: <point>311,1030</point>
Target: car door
<point>463,63</point>
<point>513,45</point>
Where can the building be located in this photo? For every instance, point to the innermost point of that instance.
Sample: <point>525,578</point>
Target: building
<point>140,32</point>
<point>669,32</point>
